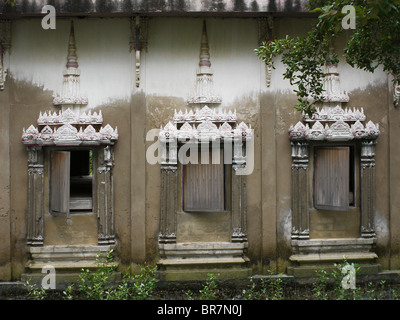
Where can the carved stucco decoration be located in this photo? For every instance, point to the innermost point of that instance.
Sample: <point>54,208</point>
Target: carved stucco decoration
<point>5,46</point>
<point>71,95</point>
<point>204,81</point>
<point>335,114</point>
<point>331,84</point>
<point>205,113</point>
<point>211,125</point>
<point>343,129</point>
<point>331,123</point>
<point>203,126</point>
<point>68,128</point>
<point>138,27</point>
<point>396,93</point>
<point>266,33</point>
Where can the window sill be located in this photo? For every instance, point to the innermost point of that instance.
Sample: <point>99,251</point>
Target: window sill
<point>204,211</point>
<point>342,245</point>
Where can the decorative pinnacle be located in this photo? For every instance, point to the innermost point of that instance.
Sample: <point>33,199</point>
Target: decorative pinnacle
<point>204,49</point>
<point>72,60</point>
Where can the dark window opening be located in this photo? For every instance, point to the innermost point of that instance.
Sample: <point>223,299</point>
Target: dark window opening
<point>81,181</point>
<point>71,181</point>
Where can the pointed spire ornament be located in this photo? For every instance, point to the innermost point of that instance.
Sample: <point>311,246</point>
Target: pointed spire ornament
<point>72,59</point>
<point>70,95</point>
<point>333,94</point>
<point>204,83</point>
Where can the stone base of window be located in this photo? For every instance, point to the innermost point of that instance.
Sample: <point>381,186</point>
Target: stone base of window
<point>194,260</point>
<point>68,261</point>
<point>312,255</point>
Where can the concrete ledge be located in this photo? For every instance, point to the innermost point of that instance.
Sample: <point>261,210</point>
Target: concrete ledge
<point>333,257</point>
<point>68,261</point>
<point>208,261</point>
<point>68,249</point>
<point>85,254</point>
<point>62,265</point>
<point>63,279</point>
<point>203,249</point>
<point>200,273</point>
<point>332,245</point>
<point>309,271</point>
<point>190,261</point>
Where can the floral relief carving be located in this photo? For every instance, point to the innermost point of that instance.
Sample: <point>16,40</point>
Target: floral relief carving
<point>68,128</point>
<point>211,124</point>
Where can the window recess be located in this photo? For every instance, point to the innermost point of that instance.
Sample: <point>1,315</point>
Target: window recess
<point>71,182</point>
<point>334,182</point>
<point>204,183</point>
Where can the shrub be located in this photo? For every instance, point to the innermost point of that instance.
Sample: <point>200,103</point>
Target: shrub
<point>98,284</point>
<point>269,289</point>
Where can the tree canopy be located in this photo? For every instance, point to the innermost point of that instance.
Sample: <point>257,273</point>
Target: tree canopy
<point>374,42</point>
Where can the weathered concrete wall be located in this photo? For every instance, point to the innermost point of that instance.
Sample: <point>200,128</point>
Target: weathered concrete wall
<point>5,212</point>
<point>393,218</point>
<point>366,90</point>
<point>26,101</point>
<point>168,75</point>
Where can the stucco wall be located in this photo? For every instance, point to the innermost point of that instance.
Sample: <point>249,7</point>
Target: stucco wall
<point>168,72</point>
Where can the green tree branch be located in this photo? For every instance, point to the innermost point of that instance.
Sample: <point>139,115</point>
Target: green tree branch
<point>375,42</point>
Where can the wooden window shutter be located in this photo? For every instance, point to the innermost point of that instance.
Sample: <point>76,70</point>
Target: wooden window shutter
<point>331,178</point>
<point>60,182</point>
<point>203,186</point>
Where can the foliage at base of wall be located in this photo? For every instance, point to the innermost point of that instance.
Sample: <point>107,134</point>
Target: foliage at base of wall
<point>327,285</point>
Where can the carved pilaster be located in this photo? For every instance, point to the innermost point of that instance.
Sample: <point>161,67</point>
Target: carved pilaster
<point>239,212</point>
<point>300,214</point>
<point>265,33</point>
<point>396,92</point>
<point>35,222</point>
<point>5,46</point>
<point>138,42</point>
<point>105,196</point>
<point>169,180</point>
<point>367,188</point>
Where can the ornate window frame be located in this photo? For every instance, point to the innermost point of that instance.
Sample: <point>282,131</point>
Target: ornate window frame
<point>332,125</point>
<point>66,130</point>
<point>202,127</point>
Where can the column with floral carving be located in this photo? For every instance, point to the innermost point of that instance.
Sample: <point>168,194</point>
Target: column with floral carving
<point>35,223</point>
<point>300,214</point>
<point>105,196</point>
<point>239,194</point>
<point>367,188</point>
<point>169,186</point>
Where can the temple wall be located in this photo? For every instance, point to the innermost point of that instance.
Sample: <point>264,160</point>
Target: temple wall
<point>168,75</point>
